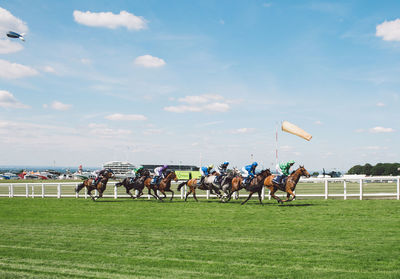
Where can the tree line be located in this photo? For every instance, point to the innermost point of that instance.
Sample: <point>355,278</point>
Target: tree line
<point>378,169</point>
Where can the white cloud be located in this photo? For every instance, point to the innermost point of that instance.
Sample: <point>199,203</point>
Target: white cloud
<point>7,46</point>
<point>243,131</point>
<point>149,61</point>
<point>318,122</point>
<point>381,130</point>
<point>389,30</point>
<point>7,100</point>
<point>86,61</point>
<point>49,69</point>
<point>59,106</point>
<point>8,22</point>
<point>359,131</point>
<point>200,103</point>
<point>380,104</point>
<point>10,70</point>
<point>110,20</point>
<point>103,131</point>
<point>128,117</point>
<point>200,99</point>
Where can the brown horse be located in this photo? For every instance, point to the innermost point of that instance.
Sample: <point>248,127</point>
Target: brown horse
<point>136,184</point>
<point>257,184</point>
<point>192,184</point>
<point>236,185</point>
<point>165,184</point>
<point>290,185</point>
<point>100,187</point>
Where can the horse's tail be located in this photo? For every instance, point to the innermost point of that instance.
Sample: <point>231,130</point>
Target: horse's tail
<point>182,184</point>
<point>79,187</point>
<point>120,183</point>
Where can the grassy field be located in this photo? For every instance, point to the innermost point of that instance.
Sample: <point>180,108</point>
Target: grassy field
<point>57,238</point>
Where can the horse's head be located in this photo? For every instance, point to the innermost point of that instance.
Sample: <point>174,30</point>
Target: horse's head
<point>303,171</point>
<point>172,175</point>
<point>109,174</point>
<point>265,173</point>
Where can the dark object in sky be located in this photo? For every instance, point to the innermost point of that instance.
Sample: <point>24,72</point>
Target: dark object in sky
<point>14,35</point>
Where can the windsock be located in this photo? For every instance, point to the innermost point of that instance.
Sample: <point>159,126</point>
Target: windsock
<point>293,129</point>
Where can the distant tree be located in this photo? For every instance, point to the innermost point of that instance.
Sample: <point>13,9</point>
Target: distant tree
<point>315,173</point>
<point>357,169</point>
<point>368,169</point>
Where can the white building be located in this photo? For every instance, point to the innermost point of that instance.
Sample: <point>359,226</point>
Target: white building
<point>120,169</point>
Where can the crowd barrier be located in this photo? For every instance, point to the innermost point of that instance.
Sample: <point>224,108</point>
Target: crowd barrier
<point>360,188</point>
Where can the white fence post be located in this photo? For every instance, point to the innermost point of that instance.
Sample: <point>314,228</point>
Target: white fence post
<point>208,194</point>
<point>182,192</point>
<point>76,192</point>
<point>42,190</point>
<point>136,193</point>
<point>11,190</point>
<point>361,189</point>
<point>33,191</point>
<point>263,193</point>
<point>326,189</point>
<point>27,190</point>
<point>269,194</point>
<point>85,192</point>
<point>115,192</point>
<point>58,191</point>
<point>398,188</point>
<point>344,190</point>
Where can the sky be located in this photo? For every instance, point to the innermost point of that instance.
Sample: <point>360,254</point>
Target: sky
<point>199,82</point>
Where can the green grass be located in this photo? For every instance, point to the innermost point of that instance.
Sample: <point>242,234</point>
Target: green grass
<point>58,238</point>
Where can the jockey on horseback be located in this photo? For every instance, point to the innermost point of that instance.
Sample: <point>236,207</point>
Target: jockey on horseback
<point>159,173</point>
<point>283,170</point>
<point>100,174</point>
<point>205,171</point>
<point>249,173</point>
<point>222,169</point>
<point>138,172</point>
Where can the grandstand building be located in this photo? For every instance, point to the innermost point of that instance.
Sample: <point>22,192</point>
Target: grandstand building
<point>173,167</point>
<point>119,168</point>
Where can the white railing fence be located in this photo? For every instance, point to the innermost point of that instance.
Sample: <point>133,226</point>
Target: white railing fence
<point>332,188</point>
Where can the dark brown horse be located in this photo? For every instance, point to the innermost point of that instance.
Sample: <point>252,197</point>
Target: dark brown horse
<point>257,184</point>
<point>100,187</point>
<point>235,183</point>
<point>165,184</point>
<point>290,185</point>
<point>136,184</point>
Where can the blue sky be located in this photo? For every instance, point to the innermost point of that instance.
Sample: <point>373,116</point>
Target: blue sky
<point>199,82</point>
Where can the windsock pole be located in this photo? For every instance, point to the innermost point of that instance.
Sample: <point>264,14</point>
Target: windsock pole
<point>276,144</point>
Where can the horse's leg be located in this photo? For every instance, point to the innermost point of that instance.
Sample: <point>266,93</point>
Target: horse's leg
<point>194,195</point>
<point>272,191</point>
<point>259,196</point>
<point>251,193</point>
<point>172,193</point>
<point>290,193</point>
<point>188,193</point>
<point>128,191</point>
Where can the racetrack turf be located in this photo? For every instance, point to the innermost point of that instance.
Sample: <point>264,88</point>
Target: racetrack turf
<point>57,238</point>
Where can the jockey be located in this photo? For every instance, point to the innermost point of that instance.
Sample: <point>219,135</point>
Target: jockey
<point>137,173</point>
<point>222,169</point>
<point>205,171</point>
<point>250,172</point>
<point>159,173</point>
<point>100,174</point>
<point>283,170</point>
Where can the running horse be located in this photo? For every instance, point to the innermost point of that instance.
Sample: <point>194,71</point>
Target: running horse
<point>192,184</point>
<point>100,187</point>
<point>288,187</point>
<point>165,184</point>
<point>136,184</point>
<point>257,184</point>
